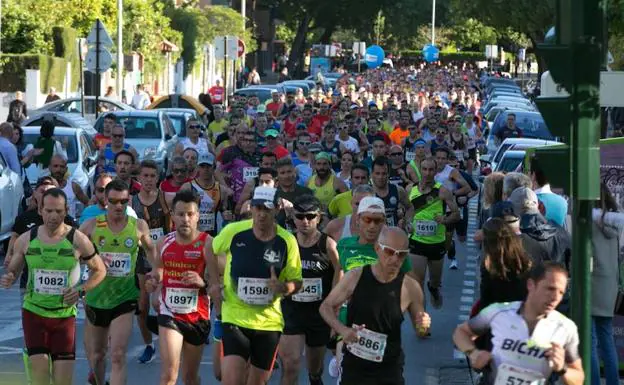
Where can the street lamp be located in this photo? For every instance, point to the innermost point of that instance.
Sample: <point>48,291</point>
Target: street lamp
<point>433,7</point>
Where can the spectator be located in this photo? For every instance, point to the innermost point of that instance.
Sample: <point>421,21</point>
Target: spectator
<point>47,145</point>
<point>254,77</point>
<point>17,109</point>
<point>543,240</point>
<point>110,92</point>
<point>217,93</point>
<point>555,206</point>
<point>52,96</point>
<point>141,99</point>
<point>8,149</point>
<point>492,193</point>
<point>514,180</point>
<point>25,152</point>
<point>505,265</point>
<point>604,273</point>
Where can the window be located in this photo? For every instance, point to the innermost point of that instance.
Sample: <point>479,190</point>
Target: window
<point>68,142</point>
<point>139,127</point>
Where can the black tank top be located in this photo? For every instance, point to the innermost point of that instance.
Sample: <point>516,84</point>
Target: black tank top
<point>315,265</point>
<point>395,178</point>
<point>154,214</point>
<point>378,306</point>
<point>391,203</point>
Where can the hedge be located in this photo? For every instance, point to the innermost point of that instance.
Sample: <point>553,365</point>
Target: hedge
<point>13,71</point>
<point>65,46</point>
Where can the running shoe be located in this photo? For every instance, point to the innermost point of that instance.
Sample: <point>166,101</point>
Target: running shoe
<point>334,368</point>
<point>148,355</point>
<point>453,265</point>
<point>436,297</point>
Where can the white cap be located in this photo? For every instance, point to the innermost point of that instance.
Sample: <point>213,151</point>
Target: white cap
<point>265,196</point>
<point>206,158</point>
<point>371,205</point>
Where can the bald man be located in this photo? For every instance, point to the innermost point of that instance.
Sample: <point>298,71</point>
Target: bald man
<point>373,353</point>
<point>8,149</point>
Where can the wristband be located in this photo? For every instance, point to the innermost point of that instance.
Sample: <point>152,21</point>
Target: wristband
<point>563,371</point>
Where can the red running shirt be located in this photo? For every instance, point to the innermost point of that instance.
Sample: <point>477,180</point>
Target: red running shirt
<point>180,301</point>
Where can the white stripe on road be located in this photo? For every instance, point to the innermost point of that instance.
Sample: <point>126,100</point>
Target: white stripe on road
<point>470,265</point>
<point>467,299</point>
<point>11,331</point>
<point>470,273</point>
<point>469,283</point>
<point>464,317</point>
<point>468,291</point>
<point>465,308</point>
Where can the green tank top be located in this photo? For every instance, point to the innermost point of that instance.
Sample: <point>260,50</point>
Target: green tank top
<point>324,193</point>
<point>427,207</point>
<point>52,268</point>
<point>413,165</point>
<point>119,252</point>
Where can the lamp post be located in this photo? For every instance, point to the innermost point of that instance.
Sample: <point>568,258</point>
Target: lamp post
<point>119,48</point>
<point>433,7</point>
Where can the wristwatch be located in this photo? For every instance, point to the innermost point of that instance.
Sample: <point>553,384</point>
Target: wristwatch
<point>563,371</point>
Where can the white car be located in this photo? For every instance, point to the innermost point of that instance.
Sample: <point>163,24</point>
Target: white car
<point>11,195</point>
<point>510,161</point>
<point>517,144</point>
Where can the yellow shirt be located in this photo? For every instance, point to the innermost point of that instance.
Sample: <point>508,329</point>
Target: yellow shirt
<point>340,206</point>
<point>217,127</point>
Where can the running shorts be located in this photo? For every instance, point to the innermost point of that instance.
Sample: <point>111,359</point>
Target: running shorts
<point>103,317</point>
<point>433,252</point>
<point>52,336</point>
<point>193,333</point>
<point>257,346</point>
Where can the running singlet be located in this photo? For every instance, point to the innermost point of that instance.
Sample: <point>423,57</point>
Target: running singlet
<point>517,353</point>
<point>201,146</point>
<point>353,254</point>
<point>119,252</point>
<point>52,268</point>
<point>209,204</point>
<point>324,193</point>
<point>416,168</point>
<point>242,168</point>
<point>444,178</point>
<point>317,272</point>
<point>248,301</point>
<point>391,203</point>
<point>109,157</point>
<point>184,303</point>
<point>377,306</point>
<point>427,207</point>
<point>154,215</point>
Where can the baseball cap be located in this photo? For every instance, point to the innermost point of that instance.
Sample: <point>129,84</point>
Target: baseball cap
<point>265,196</point>
<point>524,201</point>
<point>272,133</point>
<point>261,108</point>
<point>504,210</point>
<point>323,155</point>
<point>206,158</point>
<point>420,142</point>
<point>371,205</point>
<point>301,126</point>
<point>315,147</point>
<point>275,126</point>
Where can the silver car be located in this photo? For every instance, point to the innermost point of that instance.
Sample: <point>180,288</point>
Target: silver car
<point>11,194</point>
<point>74,105</point>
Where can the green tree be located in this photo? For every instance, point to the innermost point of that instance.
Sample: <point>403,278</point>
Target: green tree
<point>472,35</point>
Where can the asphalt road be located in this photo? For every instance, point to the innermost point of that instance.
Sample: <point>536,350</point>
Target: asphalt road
<point>428,362</point>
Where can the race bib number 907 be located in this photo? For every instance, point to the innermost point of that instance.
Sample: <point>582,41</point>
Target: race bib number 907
<point>117,264</point>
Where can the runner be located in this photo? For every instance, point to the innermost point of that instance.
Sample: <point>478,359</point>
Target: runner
<point>413,167</point>
<point>150,205</point>
<point>324,183</point>
<point>241,162</point>
<point>99,207</point>
<point>49,310</point>
<point>193,140</point>
<point>267,162</point>
<point>303,323</point>
<point>347,226</point>
<point>394,197</point>
<point>267,177</point>
<point>545,343</point>
<point>173,183</point>
<point>214,198</point>
<point>184,316</point>
<point>372,331</point>
<point>340,205</point>
<point>258,252</point>
<point>124,164</point>
<point>110,306</point>
<point>117,144</point>
<point>428,219</point>
<point>77,200</point>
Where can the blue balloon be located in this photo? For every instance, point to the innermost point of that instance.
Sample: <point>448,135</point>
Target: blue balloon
<point>374,56</point>
<point>431,53</point>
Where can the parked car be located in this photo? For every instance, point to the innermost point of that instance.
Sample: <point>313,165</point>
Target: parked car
<point>510,161</point>
<point>60,119</point>
<point>11,195</point>
<point>179,117</point>
<point>517,144</point>
<point>74,106</point>
<point>263,93</point>
<point>531,123</point>
<point>297,84</point>
<point>491,115</point>
<point>80,151</point>
<point>150,132</point>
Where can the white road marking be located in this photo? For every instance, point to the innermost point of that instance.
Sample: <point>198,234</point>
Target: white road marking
<point>468,291</point>
<point>470,273</point>
<point>467,299</point>
<point>469,283</point>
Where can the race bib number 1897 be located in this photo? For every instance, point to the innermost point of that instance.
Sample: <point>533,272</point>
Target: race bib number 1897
<point>181,300</point>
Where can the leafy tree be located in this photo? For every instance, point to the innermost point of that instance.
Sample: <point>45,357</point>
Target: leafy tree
<point>472,35</point>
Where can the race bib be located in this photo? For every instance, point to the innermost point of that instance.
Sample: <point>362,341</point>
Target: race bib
<point>311,290</point>
<point>254,291</point>
<point>181,300</point>
<point>513,375</point>
<point>426,228</point>
<point>249,173</point>
<point>206,221</point>
<point>117,264</point>
<point>156,234</point>
<point>370,346</point>
<point>51,282</point>
<point>390,221</point>
<point>410,156</point>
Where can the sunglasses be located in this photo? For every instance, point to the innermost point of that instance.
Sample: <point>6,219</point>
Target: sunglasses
<point>369,220</point>
<point>118,201</point>
<point>396,153</point>
<point>390,251</point>
<point>308,216</point>
<point>118,136</point>
<point>194,126</point>
<point>179,170</point>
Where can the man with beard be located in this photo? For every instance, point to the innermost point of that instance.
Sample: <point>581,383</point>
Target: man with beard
<point>184,314</point>
<point>110,306</point>
<point>179,175</point>
<point>124,163</point>
<point>76,198</point>
<point>394,197</point>
<point>99,207</point>
<point>324,183</point>
<point>262,267</point>
<point>53,252</point>
<point>402,130</point>
<point>241,162</point>
<point>110,150</point>
<point>287,191</point>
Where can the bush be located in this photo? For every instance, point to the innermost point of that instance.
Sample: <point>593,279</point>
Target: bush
<point>66,46</point>
<point>13,71</point>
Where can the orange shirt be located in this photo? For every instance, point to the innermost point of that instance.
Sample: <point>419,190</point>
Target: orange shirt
<point>100,141</point>
<point>398,134</point>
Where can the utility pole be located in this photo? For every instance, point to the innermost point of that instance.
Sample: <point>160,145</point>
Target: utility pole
<point>244,15</point>
<point>120,59</point>
<point>433,7</point>
<point>575,54</point>
<point>225,72</point>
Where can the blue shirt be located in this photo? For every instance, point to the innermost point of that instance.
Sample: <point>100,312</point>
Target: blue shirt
<point>95,210</point>
<point>555,206</point>
<point>304,173</point>
<point>9,152</point>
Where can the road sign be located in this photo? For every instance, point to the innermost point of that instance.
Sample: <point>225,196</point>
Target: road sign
<point>491,51</point>
<point>241,47</point>
<point>106,59</point>
<point>359,47</point>
<point>232,47</point>
<point>105,39</point>
<point>522,54</point>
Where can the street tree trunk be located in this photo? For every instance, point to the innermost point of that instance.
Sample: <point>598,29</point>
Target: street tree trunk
<point>295,60</point>
<point>327,34</point>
